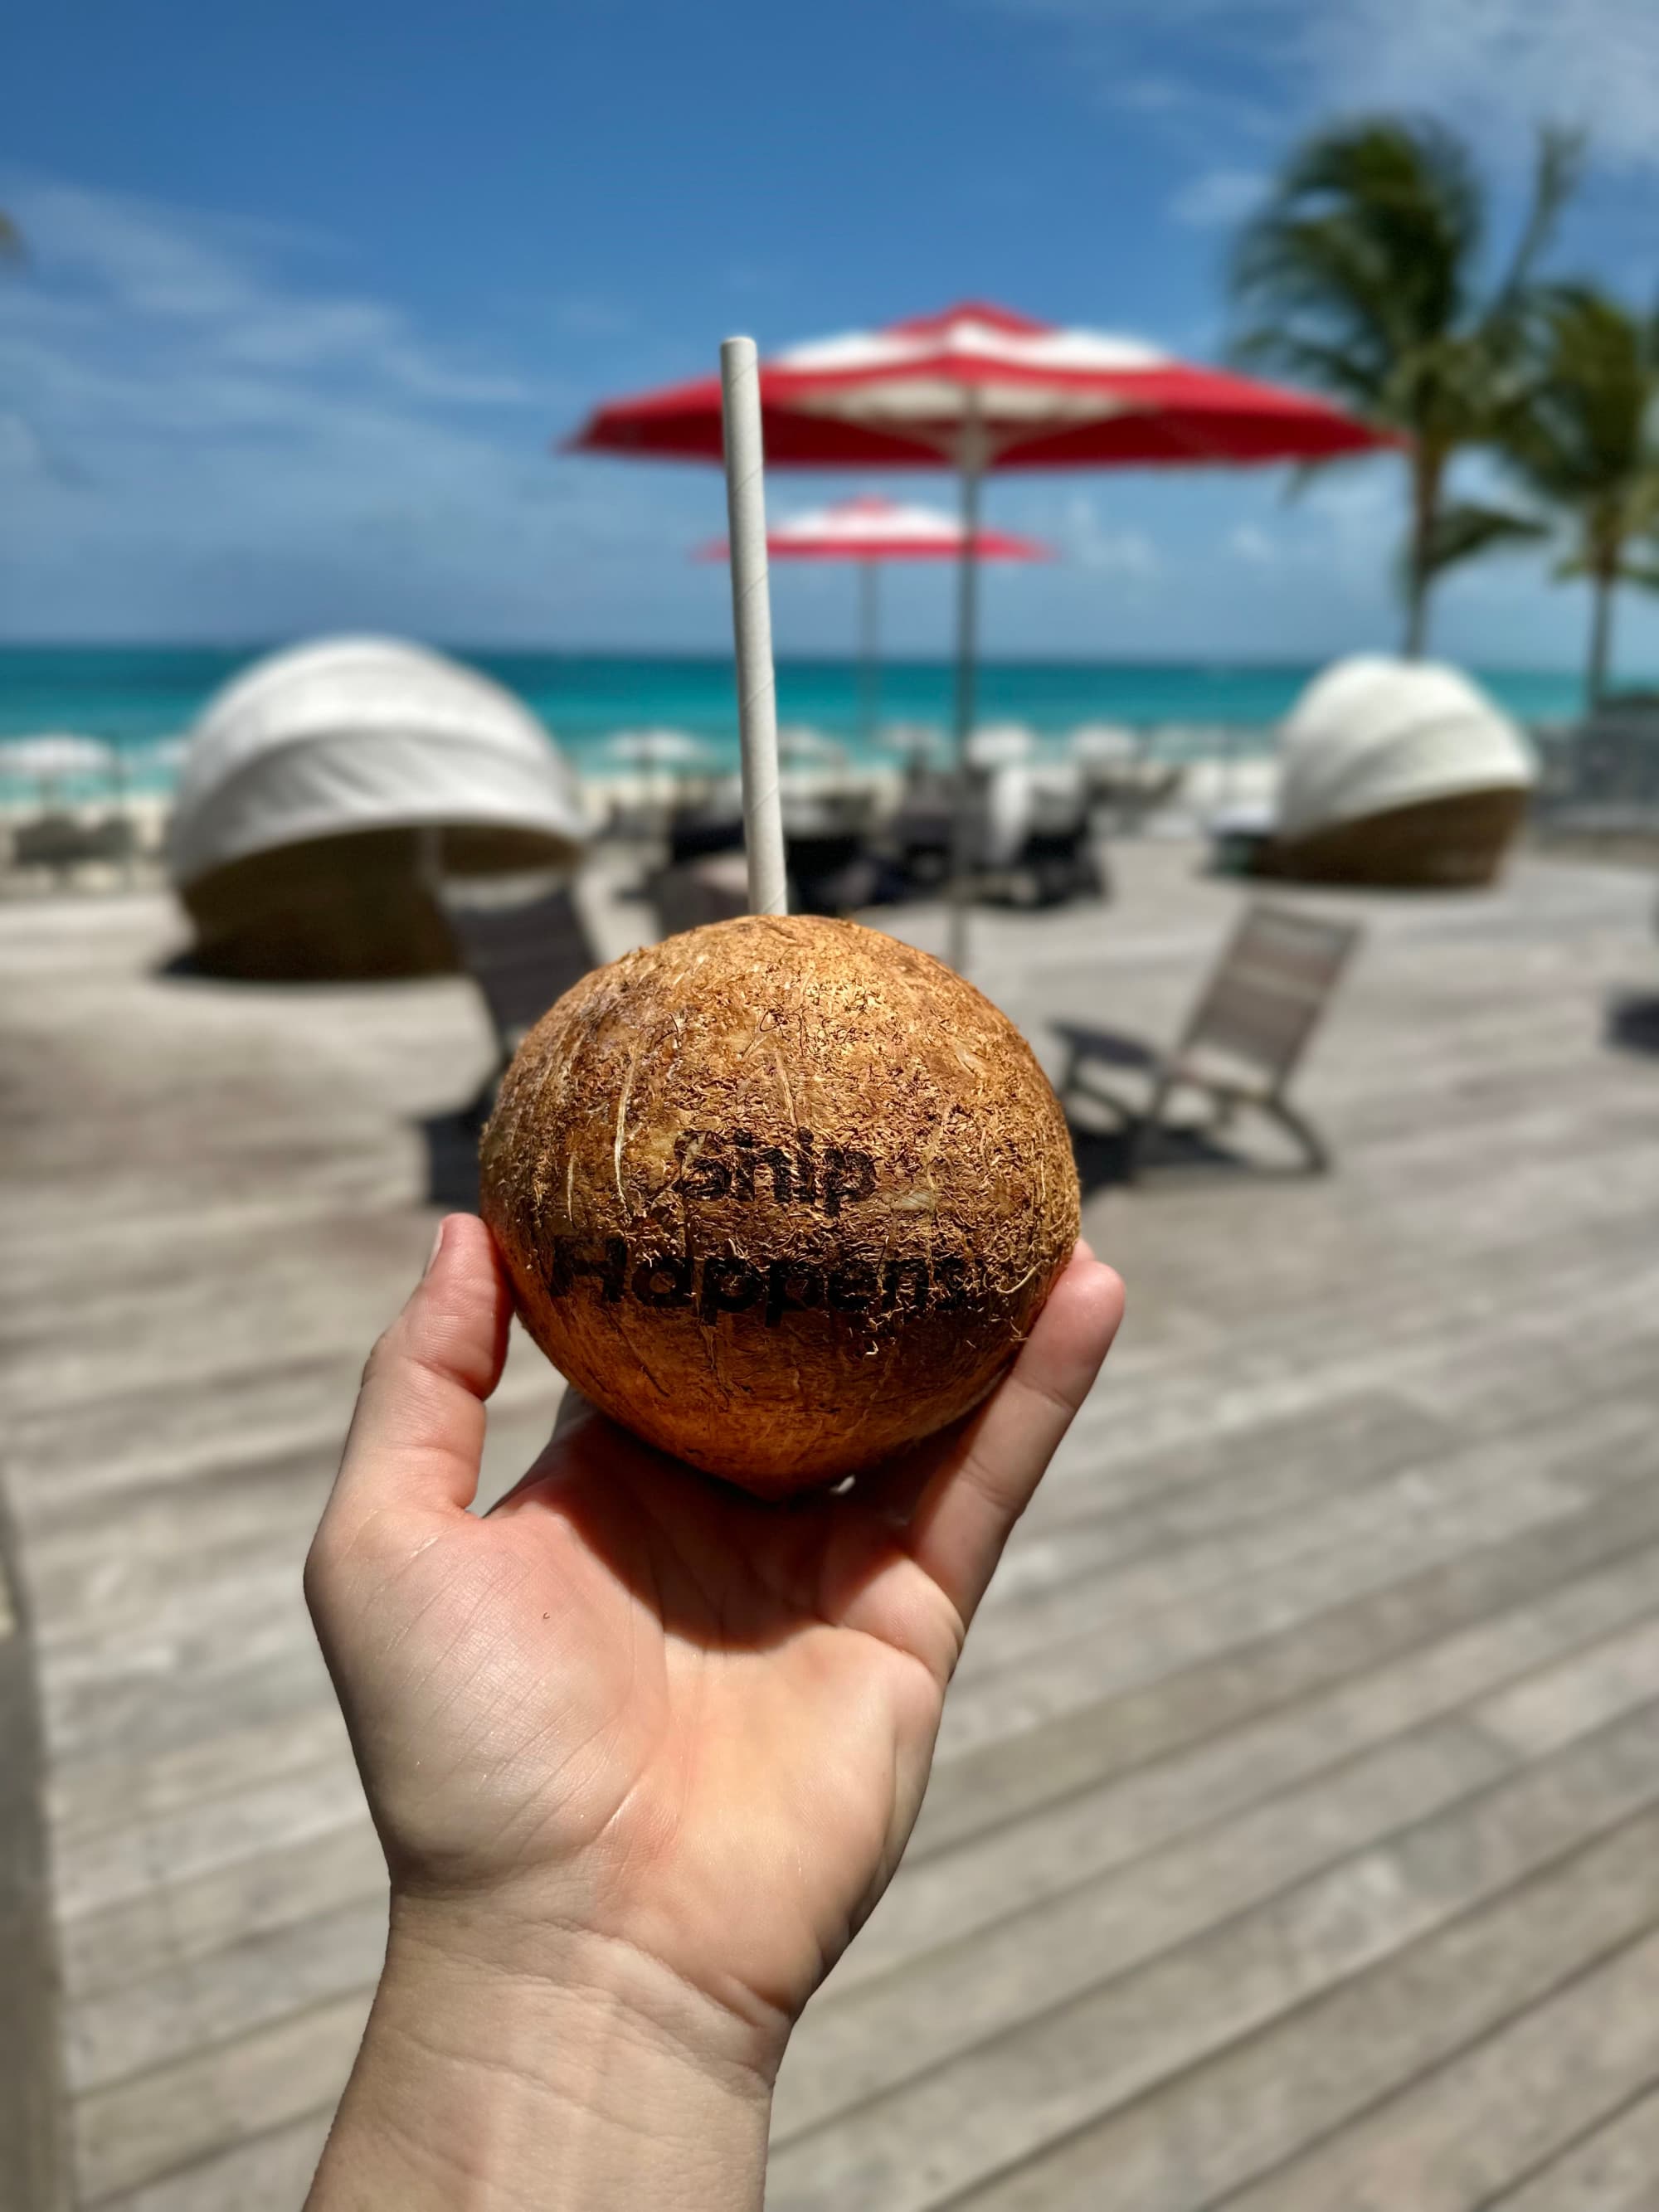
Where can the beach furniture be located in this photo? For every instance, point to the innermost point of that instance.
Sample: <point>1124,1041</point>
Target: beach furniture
<point>977,388</point>
<point>315,786</point>
<point>522,949</point>
<point>660,767</point>
<point>715,826</point>
<point>64,842</point>
<point>1037,848</point>
<point>1600,790</point>
<point>688,893</point>
<point>1241,1045</point>
<point>1396,773</point>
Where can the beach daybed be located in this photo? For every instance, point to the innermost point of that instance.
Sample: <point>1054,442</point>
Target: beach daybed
<point>1241,1045</point>
<point>1396,773</point>
<point>324,790</point>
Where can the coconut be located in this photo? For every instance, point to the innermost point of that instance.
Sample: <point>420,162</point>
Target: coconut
<point>781,1194</point>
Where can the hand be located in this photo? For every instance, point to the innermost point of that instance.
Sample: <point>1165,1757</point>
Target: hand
<point>633,1732</point>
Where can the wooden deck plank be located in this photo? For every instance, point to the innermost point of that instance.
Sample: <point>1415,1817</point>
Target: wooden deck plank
<point>1090,1919</point>
<point>1297,1782</point>
<point>1461,1923</point>
<point>1611,2168</point>
<point>985,1788</point>
<point>1019,1861</point>
<point>141,2128</point>
<point>1453,2139</point>
<point>269,2173</point>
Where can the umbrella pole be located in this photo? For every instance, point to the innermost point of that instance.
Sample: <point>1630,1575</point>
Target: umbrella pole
<point>752,625</point>
<point>869,647</point>
<point>967,663</point>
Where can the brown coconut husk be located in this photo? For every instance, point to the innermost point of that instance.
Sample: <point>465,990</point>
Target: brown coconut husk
<point>782,1194</point>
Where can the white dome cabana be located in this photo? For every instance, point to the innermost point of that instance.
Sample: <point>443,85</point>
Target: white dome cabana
<point>322,786</point>
<point>1397,772</point>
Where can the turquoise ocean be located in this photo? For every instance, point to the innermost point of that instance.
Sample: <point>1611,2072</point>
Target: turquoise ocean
<point>137,697</point>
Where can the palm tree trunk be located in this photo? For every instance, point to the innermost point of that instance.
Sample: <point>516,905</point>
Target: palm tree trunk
<point>1603,586</point>
<point>1420,568</point>
<point>1417,613</point>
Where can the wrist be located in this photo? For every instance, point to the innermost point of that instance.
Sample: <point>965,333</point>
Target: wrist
<point>537,1962</point>
<point>510,2064</point>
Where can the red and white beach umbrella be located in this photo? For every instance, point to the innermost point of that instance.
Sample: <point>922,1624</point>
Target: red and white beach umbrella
<point>977,388</point>
<point>871,529</point>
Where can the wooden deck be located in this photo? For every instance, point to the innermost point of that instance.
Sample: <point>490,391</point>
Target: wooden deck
<point>1295,1840</point>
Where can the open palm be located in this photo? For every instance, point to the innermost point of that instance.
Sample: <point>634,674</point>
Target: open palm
<point>632,1701</point>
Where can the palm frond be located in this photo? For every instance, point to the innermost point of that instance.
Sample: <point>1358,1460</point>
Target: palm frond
<point>1466,529</point>
<point>1556,174</point>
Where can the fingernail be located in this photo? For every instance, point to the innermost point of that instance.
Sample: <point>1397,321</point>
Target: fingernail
<point>437,1247</point>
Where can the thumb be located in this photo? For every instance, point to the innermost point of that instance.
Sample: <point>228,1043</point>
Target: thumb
<point>417,1436</point>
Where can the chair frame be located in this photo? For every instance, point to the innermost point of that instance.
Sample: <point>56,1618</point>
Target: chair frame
<point>498,969</point>
<point>1329,945</point>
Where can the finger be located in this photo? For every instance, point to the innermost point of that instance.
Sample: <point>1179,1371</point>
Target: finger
<point>417,1434</point>
<point>964,1515</point>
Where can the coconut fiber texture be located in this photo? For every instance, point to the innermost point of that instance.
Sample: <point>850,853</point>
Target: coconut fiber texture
<point>781,1194</point>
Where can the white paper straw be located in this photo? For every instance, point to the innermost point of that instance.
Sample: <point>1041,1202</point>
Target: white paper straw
<point>752,624</point>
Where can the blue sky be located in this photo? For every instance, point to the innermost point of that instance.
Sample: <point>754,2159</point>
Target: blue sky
<point>311,289</point>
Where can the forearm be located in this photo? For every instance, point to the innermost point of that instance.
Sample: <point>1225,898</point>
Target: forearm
<point>582,2078</point>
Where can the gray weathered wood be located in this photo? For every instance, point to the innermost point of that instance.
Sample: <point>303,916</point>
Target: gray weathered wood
<point>1075,2063</point>
<point>1447,2143</point>
<point>1298,1786</point>
<point>1320,2063</point>
<point>1610,2169</point>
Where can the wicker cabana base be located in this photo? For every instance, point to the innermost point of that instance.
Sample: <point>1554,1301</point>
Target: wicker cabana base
<point>352,908</point>
<point>1442,844</point>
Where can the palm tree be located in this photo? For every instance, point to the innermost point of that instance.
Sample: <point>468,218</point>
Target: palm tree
<point>1584,440</point>
<point>1362,274</point>
<point>11,239</point>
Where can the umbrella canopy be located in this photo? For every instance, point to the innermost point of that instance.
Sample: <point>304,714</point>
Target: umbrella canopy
<point>55,753</point>
<point>1001,744</point>
<point>801,746</point>
<point>978,387</point>
<point>1103,745</point>
<point>870,528</point>
<point>670,749</point>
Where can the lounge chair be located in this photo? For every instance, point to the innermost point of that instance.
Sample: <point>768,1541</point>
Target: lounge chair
<point>1248,1032</point>
<point>63,842</point>
<point>522,953</point>
<point>693,892</point>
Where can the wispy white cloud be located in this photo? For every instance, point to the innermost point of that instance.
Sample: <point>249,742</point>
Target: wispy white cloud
<point>171,272</point>
<point>585,317</point>
<point>198,439</point>
<point>1216,199</point>
<point>1496,66</point>
<point>1249,542</point>
<point>1127,553</point>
